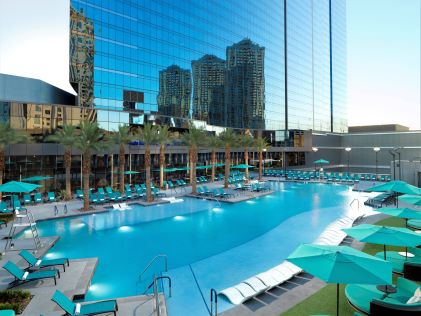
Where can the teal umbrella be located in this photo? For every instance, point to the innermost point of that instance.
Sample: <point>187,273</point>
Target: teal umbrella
<point>341,265</point>
<point>18,187</point>
<point>37,178</point>
<point>411,199</point>
<point>384,235</point>
<point>402,212</point>
<point>321,162</point>
<point>203,167</point>
<point>396,186</point>
<point>219,164</point>
<point>242,166</point>
<point>127,172</point>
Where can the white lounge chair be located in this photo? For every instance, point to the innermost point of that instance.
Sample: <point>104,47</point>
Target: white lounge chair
<point>256,284</point>
<point>233,295</point>
<point>272,278</point>
<point>124,206</point>
<point>292,267</point>
<point>246,290</point>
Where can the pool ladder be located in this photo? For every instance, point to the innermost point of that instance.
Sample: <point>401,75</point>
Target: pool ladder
<point>15,225</point>
<point>358,203</point>
<point>213,303</point>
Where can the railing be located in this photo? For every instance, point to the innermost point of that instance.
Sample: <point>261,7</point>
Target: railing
<point>161,278</point>
<point>213,302</point>
<point>156,296</point>
<point>358,203</point>
<point>152,262</point>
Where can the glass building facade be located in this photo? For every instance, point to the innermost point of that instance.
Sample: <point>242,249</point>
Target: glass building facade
<point>256,64</point>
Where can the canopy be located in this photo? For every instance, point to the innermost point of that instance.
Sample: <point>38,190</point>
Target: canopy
<point>242,166</point>
<point>18,187</point>
<point>203,167</point>
<point>402,212</point>
<point>384,235</point>
<point>341,265</point>
<point>396,186</point>
<point>321,162</point>
<point>128,172</point>
<point>411,199</point>
<point>37,178</point>
<point>219,164</point>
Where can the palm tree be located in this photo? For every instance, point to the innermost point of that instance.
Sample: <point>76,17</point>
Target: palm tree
<point>164,138</point>
<point>66,136</point>
<point>9,136</point>
<point>149,136</point>
<point>261,145</point>
<point>246,141</point>
<point>121,137</point>
<point>90,140</point>
<point>229,138</point>
<point>213,142</point>
<point>194,138</point>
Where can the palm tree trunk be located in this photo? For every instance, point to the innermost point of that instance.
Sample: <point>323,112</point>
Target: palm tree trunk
<point>148,173</point>
<point>260,164</point>
<point>67,167</point>
<point>213,162</point>
<point>1,168</point>
<point>193,158</point>
<point>121,164</point>
<point>86,171</point>
<point>161,165</point>
<point>246,160</point>
<point>227,164</point>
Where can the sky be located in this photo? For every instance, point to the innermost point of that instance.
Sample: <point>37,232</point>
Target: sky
<point>383,53</point>
<point>384,62</point>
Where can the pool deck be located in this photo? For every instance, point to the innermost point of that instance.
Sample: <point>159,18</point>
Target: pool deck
<point>239,196</point>
<point>283,297</point>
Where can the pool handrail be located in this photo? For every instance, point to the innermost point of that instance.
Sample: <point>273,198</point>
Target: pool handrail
<point>152,261</point>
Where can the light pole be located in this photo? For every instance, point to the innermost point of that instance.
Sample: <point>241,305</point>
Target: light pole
<point>392,153</point>
<point>315,150</point>
<point>348,150</point>
<point>396,151</point>
<point>263,162</point>
<point>376,150</point>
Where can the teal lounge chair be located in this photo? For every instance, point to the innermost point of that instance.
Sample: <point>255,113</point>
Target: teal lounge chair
<point>27,199</point>
<point>157,193</point>
<point>51,197</point>
<point>73,309</point>
<point>22,277</point>
<point>200,191</point>
<point>7,312</point>
<point>38,197</point>
<point>128,187</point>
<point>79,194</point>
<point>18,206</point>
<point>93,198</point>
<point>4,209</point>
<point>129,195</point>
<point>101,191</point>
<point>35,262</point>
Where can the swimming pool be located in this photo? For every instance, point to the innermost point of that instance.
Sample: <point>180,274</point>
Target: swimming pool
<point>209,245</point>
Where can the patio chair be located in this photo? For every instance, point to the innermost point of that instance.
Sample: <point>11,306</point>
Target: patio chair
<point>17,206</point>
<point>27,199</point>
<point>23,277</point>
<point>4,209</point>
<point>40,263</point>
<point>95,308</point>
<point>38,197</point>
<point>51,197</point>
<point>200,191</point>
<point>79,194</point>
<point>128,187</point>
<point>93,198</point>
<point>138,189</point>
<point>129,195</point>
<point>156,193</point>
<point>101,191</point>
<point>101,198</point>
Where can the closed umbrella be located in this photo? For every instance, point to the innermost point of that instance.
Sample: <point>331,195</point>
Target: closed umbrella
<point>402,212</point>
<point>384,235</point>
<point>411,199</point>
<point>341,265</point>
<point>321,162</point>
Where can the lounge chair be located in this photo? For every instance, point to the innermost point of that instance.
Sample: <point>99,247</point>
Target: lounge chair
<point>129,195</point>
<point>27,199</point>
<point>73,309</point>
<point>225,194</point>
<point>18,207</point>
<point>79,194</point>
<point>128,187</point>
<point>156,193</point>
<point>22,277</point>
<point>101,191</point>
<point>38,197</point>
<point>272,278</point>
<point>101,198</point>
<point>257,285</point>
<point>138,189</point>
<point>93,198</point>
<point>206,190</point>
<point>51,197</point>
<point>35,262</point>
<point>414,223</point>
<point>4,209</point>
<point>124,206</point>
<point>370,300</point>
<point>118,197</point>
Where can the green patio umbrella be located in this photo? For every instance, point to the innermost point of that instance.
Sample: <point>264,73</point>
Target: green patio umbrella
<point>396,186</point>
<point>321,162</point>
<point>242,166</point>
<point>384,235</point>
<point>18,187</point>
<point>37,178</point>
<point>411,199</point>
<point>127,172</point>
<point>403,212</point>
<point>341,265</point>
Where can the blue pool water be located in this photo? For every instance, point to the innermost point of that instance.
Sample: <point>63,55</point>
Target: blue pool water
<point>207,244</point>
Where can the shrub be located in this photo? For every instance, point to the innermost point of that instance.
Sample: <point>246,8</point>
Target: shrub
<point>14,299</point>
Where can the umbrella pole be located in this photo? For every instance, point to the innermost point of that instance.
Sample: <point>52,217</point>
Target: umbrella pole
<point>384,252</point>
<point>337,299</point>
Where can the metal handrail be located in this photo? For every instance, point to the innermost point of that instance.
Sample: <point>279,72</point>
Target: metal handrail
<point>159,278</point>
<point>358,203</point>
<point>152,261</point>
<point>156,295</point>
<point>213,298</point>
